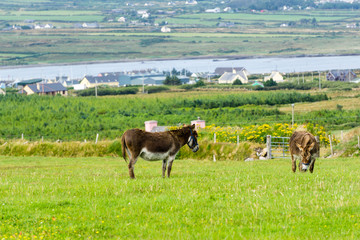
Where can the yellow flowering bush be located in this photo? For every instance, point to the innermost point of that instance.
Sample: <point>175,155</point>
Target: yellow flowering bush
<point>258,133</point>
<point>319,131</point>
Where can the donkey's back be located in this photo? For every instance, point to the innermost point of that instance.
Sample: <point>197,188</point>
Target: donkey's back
<point>303,145</point>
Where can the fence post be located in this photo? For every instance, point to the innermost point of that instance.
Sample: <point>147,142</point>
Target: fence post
<point>97,137</point>
<point>237,140</point>
<point>358,142</point>
<point>331,147</point>
<point>22,136</point>
<point>214,137</point>
<point>283,146</point>
<point>341,135</point>
<point>268,145</point>
<point>42,139</point>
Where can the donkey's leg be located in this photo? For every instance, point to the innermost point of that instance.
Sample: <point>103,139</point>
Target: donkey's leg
<point>131,167</point>
<point>164,167</point>
<point>293,160</point>
<point>170,162</point>
<point>312,165</point>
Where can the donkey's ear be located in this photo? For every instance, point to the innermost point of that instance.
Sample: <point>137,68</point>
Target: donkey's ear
<point>311,146</point>
<point>192,126</point>
<point>300,147</point>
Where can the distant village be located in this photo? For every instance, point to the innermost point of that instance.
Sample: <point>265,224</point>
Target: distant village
<point>150,77</point>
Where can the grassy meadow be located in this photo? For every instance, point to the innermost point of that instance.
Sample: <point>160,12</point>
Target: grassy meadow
<point>93,198</point>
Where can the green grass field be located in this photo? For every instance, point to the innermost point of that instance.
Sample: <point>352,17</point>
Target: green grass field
<point>93,198</point>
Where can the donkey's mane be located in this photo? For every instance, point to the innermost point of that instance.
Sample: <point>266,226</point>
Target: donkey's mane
<point>180,130</point>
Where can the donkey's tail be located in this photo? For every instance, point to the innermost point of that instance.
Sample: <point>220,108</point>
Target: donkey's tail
<point>123,144</point>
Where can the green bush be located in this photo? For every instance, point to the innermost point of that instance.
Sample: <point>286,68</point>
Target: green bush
<point>237,82</point>
<point>101,91</point>
<point>187,86</point>
<point>156,89</point>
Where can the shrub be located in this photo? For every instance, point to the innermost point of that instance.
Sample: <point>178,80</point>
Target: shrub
<point>187,86</point>
<point>270,83</point>
<point>156,89</point>
<point>237,82</point>
<point>107,91</point>
<point>199,83</point>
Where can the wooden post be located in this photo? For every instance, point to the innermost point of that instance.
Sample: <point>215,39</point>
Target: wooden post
<point>22,136</point>
<point>97,137</point>
<point>42,139</point>
<point>237,140</point>
<point>298,79</point>
<point>214,158</point>
<point>292,115</point>
<point>303,77</point>
<point>331,147</point>
<point>341,135</point>
<point>268,145</point>
<point>358,142</point>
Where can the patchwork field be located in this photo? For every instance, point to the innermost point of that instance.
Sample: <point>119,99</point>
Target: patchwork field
<point>241,34</point>
<point>86,198</point>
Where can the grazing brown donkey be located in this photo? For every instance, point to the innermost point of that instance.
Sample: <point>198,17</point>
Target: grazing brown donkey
<point>157,146</point>
<point>303,145</point>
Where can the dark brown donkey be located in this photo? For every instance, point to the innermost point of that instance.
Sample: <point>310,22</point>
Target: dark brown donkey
<point>303,145</point>
<point>157,146</point>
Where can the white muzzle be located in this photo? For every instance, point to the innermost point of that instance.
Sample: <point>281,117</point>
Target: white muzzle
<point>305,167</point>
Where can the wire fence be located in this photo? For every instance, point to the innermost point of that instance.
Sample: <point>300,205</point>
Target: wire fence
<point>47,138</point>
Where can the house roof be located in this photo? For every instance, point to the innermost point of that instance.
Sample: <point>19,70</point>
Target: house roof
<point>72,82</point>
<point>30,81</point>
<point>102,79</point>
<point>222,70</point>
<point>229,76</point>
<point>47,87</point>
<point>337,73</point>
<point>148,80</point>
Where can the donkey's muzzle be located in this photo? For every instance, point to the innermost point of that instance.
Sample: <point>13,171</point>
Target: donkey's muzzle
<point>304,167</point>
<point>196,148</point>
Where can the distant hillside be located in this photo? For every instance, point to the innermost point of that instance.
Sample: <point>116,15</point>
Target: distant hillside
<point>117,4</point>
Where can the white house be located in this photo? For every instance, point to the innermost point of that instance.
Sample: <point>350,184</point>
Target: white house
<point>141,12</point>
<point>230,77</point>
<point>79,86</point>
<point>90,25</point>
<point>276,76</point>
<point>121,19</point>
<point>48,26</point>
<point>215,10</point>
<point>165,29</point>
